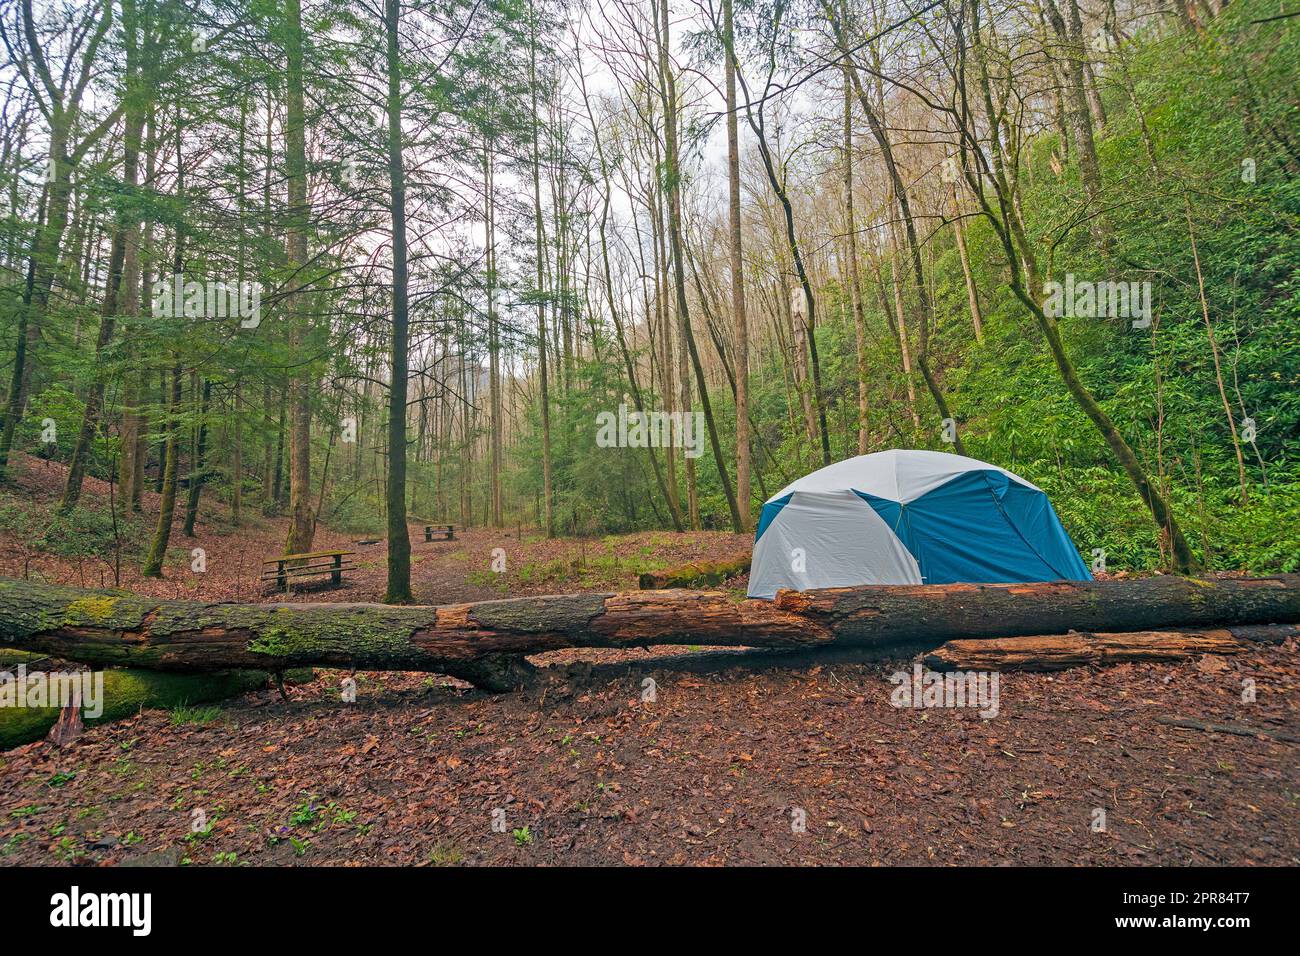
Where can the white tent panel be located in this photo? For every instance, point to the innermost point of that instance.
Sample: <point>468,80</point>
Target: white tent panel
<point>828,539</point>
<point>901,476</point>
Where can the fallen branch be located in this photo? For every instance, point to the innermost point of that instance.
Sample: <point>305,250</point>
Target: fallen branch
<point>1237,730</point>
<point>1051,652</point>
<point>485,642</point>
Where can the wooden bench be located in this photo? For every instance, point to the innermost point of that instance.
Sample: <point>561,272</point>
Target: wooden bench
<point>315,562</point>
<point>445,532</point>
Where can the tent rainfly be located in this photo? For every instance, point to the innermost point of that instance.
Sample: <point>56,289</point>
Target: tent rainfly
<point>909,517</point>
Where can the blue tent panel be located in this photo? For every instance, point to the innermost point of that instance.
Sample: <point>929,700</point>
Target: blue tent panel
<point>769,513</point>
<point>981,527</point>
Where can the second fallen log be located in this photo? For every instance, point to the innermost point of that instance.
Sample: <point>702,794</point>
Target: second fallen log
<point>1052,652</point>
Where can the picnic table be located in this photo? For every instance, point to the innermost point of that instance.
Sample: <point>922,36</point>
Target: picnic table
<point>314,562</point>
<point>446,532</point>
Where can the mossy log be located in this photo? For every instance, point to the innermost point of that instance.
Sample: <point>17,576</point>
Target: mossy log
<point>125,693</point>
<point>1052,652</point>
<point>485,642</point>
<point>697,574</point>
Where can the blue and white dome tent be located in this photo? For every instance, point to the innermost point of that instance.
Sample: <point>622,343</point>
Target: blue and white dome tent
<point>909,517</point>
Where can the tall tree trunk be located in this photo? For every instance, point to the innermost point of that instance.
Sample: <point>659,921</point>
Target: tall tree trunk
<point>972,298</point>
<point>138,274</point>
<point>851,282</point>
<point>739,318</point>
<point>153,562</point>
<point>548,517</point>
<point>494,334</point>
<point>1214,347</point>
<point>199,466</point>
<point>674,197</point>
<point>237,458</point>
<point>302,524</point>
<point>398,590</point>
<point>904,341</point>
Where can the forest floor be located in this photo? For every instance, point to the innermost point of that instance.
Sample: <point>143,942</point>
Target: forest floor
<point>720,768</point>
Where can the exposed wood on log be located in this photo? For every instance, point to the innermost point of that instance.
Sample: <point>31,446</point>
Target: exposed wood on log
<point>484,642</point>
<point>697,574</point>
<point>1237,730</point>
<point>69,725</point>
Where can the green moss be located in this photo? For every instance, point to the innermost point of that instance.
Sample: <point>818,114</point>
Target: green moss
<point>305,635</point>
<point>94,609</point>
<point>270,642</point>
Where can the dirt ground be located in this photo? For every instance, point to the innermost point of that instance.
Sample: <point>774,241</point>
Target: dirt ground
<point>792,766</point>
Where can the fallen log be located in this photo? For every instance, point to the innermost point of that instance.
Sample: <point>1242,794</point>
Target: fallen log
<point>696,574</point>
<point>485,642</point>
<point>126,692</point>
<point>1053,652</point>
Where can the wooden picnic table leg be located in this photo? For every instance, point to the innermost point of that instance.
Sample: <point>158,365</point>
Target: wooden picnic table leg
<point>451,535</point>
<point>337,575</point>
<point>428,533</point>
<point>281,579</point>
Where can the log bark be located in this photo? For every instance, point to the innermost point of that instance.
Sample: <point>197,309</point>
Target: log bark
<point>1052,652</point>
<point>484,642</point>
<point>694,575</point>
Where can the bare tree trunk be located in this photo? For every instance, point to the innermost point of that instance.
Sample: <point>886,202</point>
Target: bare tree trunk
<point>494,335</point>
<point>153,562</point>
<point>972,297</point>
<point>739,317</point>
<point>302,523</point>
<point>398,590</point>
<point>198,466</point>
<point>679,269</point>
<point>1214,348</point>
<point>548,517</point>
<point>851,241</point>
<point>904,341</point>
